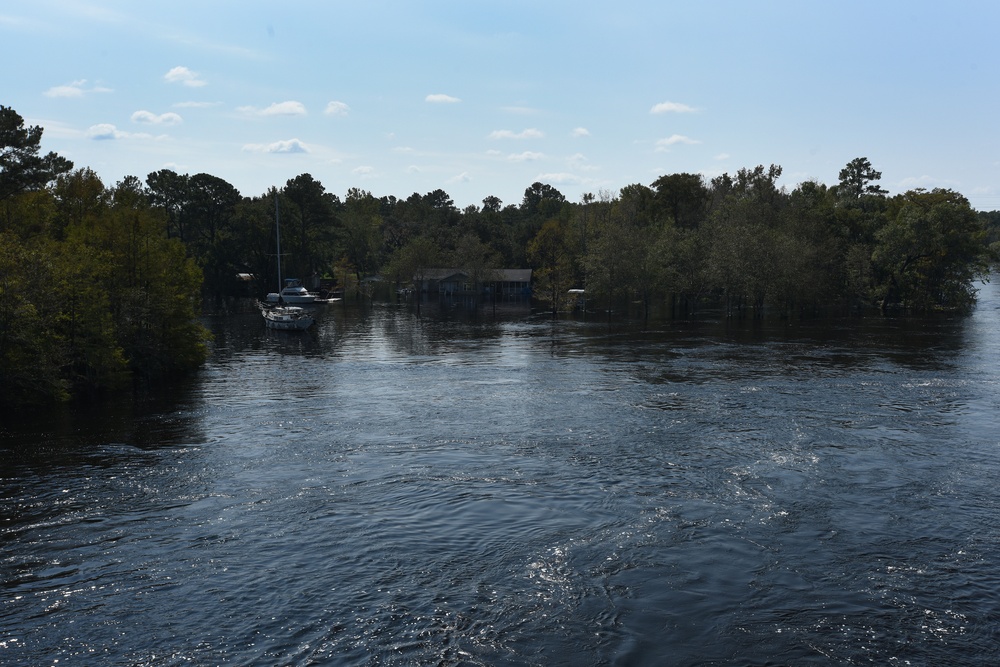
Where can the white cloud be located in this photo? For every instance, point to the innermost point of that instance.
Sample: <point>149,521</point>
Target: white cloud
<point>151,118</point>
<point>75,89</point>
<point>184,76</point>
<point>673,140</point>
<point>560,177</point>
<point>580,132</point>
<point>65,91</point>
<point>530,133</point>
<point>526,156</point>
<point>460,178</point>
<point>722,156</point>
<point>104,131</point>
<point>108,132</point>
<point>287,146</point>
<point>57,129</point>
<point>363,171</point>
<point>289,108</point>
<point>579,162</point>
<point>672,107</point>
<point>336,108</point>
<point>440,98</point>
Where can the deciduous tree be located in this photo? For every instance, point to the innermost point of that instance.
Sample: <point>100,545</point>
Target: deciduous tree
<point>930,252</point>
<point>552,263</point>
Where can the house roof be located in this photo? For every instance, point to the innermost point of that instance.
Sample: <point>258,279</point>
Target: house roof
<point>504,275</point>
<point>440,274</point>
<point>515,275</point>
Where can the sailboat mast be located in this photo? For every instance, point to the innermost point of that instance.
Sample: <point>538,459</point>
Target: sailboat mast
<point>277,233</point>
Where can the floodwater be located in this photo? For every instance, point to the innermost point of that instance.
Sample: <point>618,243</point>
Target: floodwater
<point>395,490</point>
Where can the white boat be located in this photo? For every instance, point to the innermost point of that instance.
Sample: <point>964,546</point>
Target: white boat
<point>287,318</point>
<point>292,293</point>
<point>278,314</point>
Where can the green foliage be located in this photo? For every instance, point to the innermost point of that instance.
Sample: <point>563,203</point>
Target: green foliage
<point>200,211</point>
<point>476,259</point>
<point>930,252</point>
<point>99,286</point>
<point>22,168</point>
<point>622,259</point>
<point>740,239</point>
<point>858,179</point>
<point>749,248</point>
<point>308,224</point>
<point>93,358</point>
<point>551,260</point>
<point>92,293</point>
<point>413,260</point>
<point>31,355</point>
<point>990,220</point>
<point>682,198</point>
<point>79,197</point>
<point>542,200</point>
<point>360,232</point>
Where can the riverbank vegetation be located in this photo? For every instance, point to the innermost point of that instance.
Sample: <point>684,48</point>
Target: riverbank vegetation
<point>94,295</point>
<point>681,241</point>
<point>99,285</point>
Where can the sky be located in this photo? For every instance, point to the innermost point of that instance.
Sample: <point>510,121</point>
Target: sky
<point>481,98</point>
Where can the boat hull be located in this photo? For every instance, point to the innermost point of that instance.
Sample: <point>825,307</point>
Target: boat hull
<point>293,293</point>
<point>288,318</point>
<point>293,298</point>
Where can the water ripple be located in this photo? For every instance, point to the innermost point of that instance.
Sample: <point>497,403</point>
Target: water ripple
<point>395,491</point>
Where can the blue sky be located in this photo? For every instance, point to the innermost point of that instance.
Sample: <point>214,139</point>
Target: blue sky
<point>484,98</point>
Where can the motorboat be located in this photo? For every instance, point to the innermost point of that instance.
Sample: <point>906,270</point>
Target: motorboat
<point>293,292</point>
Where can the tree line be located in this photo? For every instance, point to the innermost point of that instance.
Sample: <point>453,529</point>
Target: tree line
<point>101,284</point>
<point>738,239</point>
<point>94,295</point>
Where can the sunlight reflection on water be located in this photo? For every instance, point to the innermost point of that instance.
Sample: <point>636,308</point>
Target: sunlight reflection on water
<point>388,490</point>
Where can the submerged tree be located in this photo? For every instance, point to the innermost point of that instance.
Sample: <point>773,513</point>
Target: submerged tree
<point>550,256</point>
<point>930,252</point>
<point>95,295</point>
<point>308,223</point>
<point>31,351</point>
<point>362,238</point>
<point>477,260</point>
<point>412,263</point>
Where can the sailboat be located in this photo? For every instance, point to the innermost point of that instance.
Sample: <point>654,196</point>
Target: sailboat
<point>277,314</point>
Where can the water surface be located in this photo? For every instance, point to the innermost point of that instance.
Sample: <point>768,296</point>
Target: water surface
<point>394,490</point>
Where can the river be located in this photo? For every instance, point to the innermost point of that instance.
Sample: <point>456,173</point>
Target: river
<point>390,489</point>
